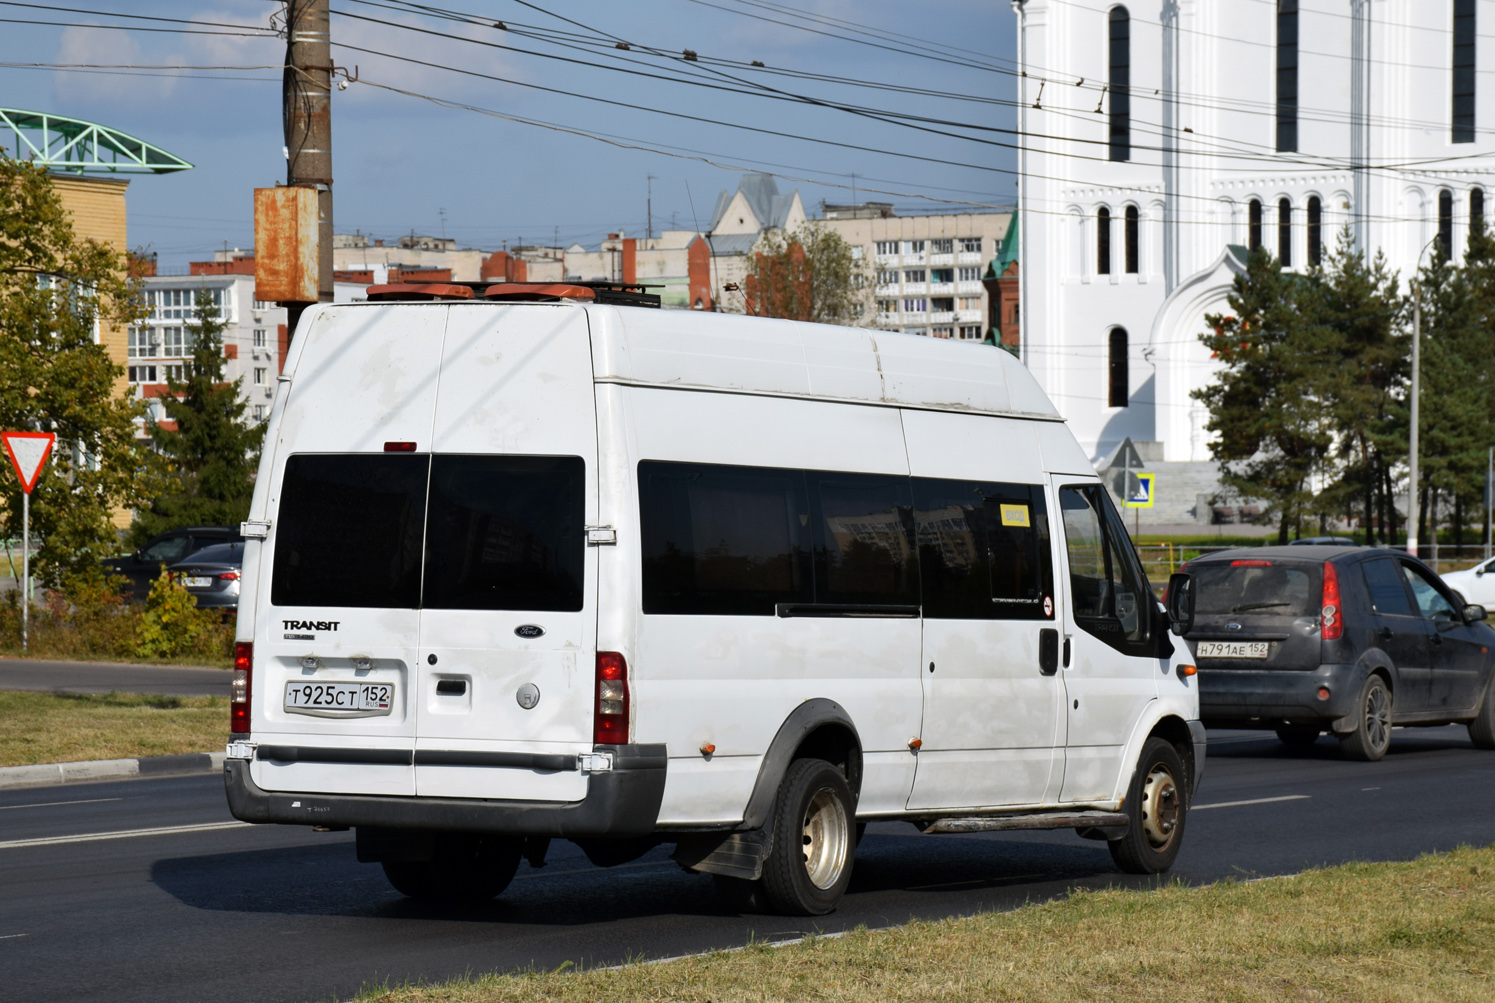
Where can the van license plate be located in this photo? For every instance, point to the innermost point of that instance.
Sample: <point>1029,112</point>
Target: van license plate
<point>1232,649</point>
<point>361,699</point>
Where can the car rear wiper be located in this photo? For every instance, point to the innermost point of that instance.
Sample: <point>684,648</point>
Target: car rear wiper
<point>1257,605</point>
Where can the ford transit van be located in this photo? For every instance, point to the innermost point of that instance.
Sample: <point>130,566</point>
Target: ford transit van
<point>569,568</point>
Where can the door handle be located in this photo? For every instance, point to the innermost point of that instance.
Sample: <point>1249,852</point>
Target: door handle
<point>1386,633</point>
<point>1437,638</point>
<point>1048,651</point>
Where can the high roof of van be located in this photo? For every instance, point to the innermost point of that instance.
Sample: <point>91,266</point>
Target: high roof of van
<point>758,355</point>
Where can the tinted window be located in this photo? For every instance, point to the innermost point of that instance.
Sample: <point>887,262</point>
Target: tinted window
<point>220,553</point>
<point>864,551</point>
<point>1384,582</point>
<point>505,532</point>
<point>723,540</point>
<point>1429,600</point>
<point>1111,596</point>
<point>983,549</point>
<point>169,550</point>
<point>1261,588</point>
<point>348,532</point>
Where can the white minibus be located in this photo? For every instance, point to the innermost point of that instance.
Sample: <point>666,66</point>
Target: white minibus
<point>551,563</point>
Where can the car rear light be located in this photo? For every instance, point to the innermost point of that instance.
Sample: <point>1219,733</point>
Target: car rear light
<point>240,688</point>
<point>1323,692</point>
<point>1251,564</point>
<point>610,722</point>
<point>1331,619</point>
<point>228,576</point>
<point>399,447</point>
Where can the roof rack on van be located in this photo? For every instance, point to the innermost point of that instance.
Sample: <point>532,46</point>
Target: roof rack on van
<point>419,291</point>
<point>622,293</point>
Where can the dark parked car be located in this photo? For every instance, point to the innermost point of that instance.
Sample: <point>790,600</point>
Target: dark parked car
<point>1323,541</point>
<point>212,575</point>
<point>143,566</point>
<point>1349,641</point>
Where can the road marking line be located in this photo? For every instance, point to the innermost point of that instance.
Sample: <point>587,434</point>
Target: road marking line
<point>1240,804</point>
<point>12,936</point>
<point>53,804</point>
<point>169,830</point>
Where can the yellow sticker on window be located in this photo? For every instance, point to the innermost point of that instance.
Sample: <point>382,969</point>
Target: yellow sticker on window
<point>1015,515</point>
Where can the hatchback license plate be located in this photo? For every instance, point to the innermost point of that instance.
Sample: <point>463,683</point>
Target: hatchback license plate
<point>361,699</point>
<point>1232,649</point>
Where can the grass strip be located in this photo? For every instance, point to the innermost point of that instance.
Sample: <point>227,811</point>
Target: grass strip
<point>1408,932</point>
<point>64,728</point>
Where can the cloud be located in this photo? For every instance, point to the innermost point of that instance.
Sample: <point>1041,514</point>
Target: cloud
<point>92,46</point>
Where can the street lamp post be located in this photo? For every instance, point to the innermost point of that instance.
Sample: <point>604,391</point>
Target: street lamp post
<point>1416,395</point>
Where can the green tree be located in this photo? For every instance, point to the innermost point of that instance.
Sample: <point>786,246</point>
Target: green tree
<point>1356,311</point>
<point>211,452</point>
<point>56,290</point>
<point>1271,433</point>
<point>811,273</point>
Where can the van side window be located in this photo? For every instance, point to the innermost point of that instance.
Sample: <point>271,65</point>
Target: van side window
<point>1111,596</point>
<point>864,551</point>
<point>721,540</point>
<point>348,531</point>
<point>1388,596</point>
<point>506,532</point>
<point>983,550</point>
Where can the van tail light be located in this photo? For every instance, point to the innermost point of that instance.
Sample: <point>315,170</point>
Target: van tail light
<point>1331,618</point>
<point>610,722</point>
<point>239,689</point>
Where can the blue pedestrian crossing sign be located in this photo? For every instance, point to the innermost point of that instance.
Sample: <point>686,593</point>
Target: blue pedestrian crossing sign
<point>1141,495</point>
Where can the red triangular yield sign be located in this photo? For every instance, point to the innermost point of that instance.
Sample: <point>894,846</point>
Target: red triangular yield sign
<point>28,452</point>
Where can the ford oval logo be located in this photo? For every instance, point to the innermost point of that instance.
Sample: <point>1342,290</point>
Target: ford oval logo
<point>1232,626</point>
<point>529,631</point>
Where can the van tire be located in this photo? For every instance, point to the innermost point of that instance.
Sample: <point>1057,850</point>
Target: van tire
<point>1372,735</point>
<point>1157,806</point>
<point>1482,728</point>
<point>462,868</point>
<point>809,867</point>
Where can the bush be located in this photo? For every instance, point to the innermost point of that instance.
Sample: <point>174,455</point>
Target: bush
<point>89,619</point>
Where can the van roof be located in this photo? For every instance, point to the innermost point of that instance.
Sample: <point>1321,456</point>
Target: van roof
<point>686,349</point>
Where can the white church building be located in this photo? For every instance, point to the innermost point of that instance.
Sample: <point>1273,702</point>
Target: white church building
<point>1162,138</point>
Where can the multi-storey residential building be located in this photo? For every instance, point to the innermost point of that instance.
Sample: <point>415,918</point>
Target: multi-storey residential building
<point>1164,141</point>
<point>925,270</point>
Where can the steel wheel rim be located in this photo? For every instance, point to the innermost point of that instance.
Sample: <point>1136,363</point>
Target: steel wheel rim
<point>1377,717</point>
<point>1160,807</point>
<point>824,839</point>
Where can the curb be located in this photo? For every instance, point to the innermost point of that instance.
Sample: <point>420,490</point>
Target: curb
<point>110,769</point>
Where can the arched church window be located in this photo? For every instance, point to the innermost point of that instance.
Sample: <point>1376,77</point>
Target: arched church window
<point>1119,84</point>
<point>1118,375</point>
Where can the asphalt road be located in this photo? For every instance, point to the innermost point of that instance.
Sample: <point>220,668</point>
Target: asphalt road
<point>211,910</point>
<point>104,677</point>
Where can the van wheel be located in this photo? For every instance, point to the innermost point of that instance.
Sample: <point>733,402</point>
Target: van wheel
<point>1157,805</point>
<point>1482,728</point>
<point>809,867</point>
<point>1298,736</point>
<point>463,868</point>
<point>1372,734</point>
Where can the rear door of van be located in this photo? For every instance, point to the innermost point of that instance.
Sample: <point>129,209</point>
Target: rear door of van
<point>335,644</point>
<point>502,689</point>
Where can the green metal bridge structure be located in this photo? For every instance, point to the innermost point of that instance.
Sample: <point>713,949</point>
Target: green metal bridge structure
<point>72,146</point>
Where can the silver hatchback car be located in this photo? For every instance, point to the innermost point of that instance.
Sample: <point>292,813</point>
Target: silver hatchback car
<point>212,575</point>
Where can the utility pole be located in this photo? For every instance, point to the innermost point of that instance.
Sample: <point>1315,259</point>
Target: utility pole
<point>649,231</point>
<point>1412,493</point>
<point>307,113</point>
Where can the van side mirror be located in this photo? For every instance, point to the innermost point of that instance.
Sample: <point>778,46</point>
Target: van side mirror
<point>1180,604</point>
<point>1474,613</point>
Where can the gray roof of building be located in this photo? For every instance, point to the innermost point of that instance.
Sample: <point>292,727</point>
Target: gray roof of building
<point>732,243</point>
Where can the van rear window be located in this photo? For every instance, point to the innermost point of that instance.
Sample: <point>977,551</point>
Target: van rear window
<point>1256,588</point>
<point>348,532</point>
<point>506,532</point>
<point>493,532</point>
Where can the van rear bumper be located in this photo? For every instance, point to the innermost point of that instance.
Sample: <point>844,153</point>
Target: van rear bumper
<point>621,802</point>
<point>1265,698</point>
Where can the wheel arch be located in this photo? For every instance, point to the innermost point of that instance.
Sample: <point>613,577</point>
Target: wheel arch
<point>1175,731</point>
<point>819,728</point>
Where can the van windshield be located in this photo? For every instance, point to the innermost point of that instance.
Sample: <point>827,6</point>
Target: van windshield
<point>491,532</point>
<point>1256,587</point>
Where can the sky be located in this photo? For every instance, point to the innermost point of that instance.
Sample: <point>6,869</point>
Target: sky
<point>418,144</point>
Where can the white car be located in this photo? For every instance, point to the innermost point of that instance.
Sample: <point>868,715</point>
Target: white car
<point>1476,584</point>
